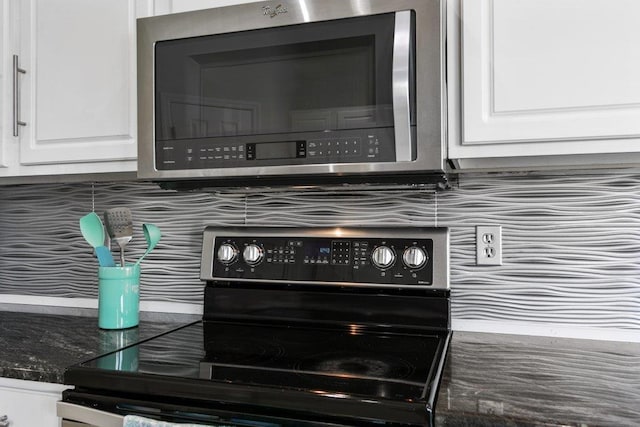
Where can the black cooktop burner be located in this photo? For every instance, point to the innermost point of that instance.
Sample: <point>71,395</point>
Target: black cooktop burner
<point>356,365</point>
<point>243,351</point>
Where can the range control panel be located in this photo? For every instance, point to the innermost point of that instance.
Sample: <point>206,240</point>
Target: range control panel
<point>397,260</point>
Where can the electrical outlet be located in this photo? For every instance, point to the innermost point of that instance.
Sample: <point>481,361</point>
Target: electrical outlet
<point>489,245</point>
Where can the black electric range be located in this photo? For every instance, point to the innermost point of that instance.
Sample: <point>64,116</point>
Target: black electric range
<point>313,326</point>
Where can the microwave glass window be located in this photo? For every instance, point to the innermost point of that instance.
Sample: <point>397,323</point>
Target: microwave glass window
<point>303,78</point>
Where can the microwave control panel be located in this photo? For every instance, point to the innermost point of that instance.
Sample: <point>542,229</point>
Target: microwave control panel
<point>353,146</point>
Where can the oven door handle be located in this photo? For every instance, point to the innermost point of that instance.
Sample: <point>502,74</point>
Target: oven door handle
<point>90,416</point>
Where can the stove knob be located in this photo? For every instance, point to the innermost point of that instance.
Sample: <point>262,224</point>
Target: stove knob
<point>383,257</point>
<point>227,253</point>
<point>414,257</point>
<point>253,254</point>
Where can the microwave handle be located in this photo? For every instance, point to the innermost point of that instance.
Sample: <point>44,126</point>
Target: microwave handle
<point>400,85</point>
<point>89,416</point>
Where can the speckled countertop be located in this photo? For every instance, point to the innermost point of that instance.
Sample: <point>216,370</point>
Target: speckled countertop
<point>38,347</point>
<point>518,380</point>
<point>489,380</point>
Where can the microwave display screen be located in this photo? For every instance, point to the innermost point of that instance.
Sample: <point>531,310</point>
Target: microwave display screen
<point>276,150</point>
<point>317,77</point>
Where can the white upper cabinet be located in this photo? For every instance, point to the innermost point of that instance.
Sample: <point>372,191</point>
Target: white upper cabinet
<point>78,93</point>
<point>544,82</point>
<point>4,121</point>
<point>7,37</point>
<point>80,97</point>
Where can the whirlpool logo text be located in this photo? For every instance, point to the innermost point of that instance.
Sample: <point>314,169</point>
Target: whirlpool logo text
<point>272,12</point>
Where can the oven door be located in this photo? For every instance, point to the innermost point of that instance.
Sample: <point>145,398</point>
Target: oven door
<point>89,409</point>
<point>78,416</point>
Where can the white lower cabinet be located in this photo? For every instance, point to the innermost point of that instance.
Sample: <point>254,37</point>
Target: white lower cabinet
<point>29,403</point>
<point>544,82</point>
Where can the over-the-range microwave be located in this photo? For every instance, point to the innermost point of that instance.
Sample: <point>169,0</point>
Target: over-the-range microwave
<point>293,91</point>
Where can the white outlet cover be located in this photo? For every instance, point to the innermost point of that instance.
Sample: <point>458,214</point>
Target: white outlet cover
<point>489,245</point>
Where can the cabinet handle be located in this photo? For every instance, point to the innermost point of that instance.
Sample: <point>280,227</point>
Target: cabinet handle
<point>16,98</point>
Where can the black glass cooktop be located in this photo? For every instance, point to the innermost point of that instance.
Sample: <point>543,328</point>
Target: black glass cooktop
<point>349,361</point>
<point>344,361</point>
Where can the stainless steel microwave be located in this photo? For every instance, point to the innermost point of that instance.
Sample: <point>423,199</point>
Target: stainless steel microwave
<point>300,92</point>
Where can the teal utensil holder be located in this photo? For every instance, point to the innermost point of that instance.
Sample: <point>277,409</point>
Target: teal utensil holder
<point>126,358</point>
<point>118,297</point>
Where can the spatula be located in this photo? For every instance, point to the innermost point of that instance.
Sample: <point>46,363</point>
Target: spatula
<point>119,225</point>
<point>93,232</point>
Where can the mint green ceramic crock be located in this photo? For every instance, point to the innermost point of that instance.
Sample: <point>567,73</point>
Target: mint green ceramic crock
<point>126,357</point>
<point>118,296</point>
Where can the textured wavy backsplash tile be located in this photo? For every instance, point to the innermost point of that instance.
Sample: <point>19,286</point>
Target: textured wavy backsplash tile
<point>570,251</point>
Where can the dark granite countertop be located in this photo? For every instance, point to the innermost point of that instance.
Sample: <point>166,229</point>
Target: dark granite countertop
<point>518,380</point>
<point>489,379</point>
<point>38,347</point>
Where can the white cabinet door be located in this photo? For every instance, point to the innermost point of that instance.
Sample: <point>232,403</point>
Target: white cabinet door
<point>29,403</point>
<point>7,38</point>
<point>5,70</point>
<point>79,93</point>
<point>547,77</point>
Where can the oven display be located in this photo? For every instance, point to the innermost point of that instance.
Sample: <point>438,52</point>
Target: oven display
<point>336,252</point>
<point>317,254</point>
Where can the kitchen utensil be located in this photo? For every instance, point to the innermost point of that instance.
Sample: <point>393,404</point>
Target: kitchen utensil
<point>152,234</point>
<point>93,232</point>
<point>105,258</point>
<point>120,227</point>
